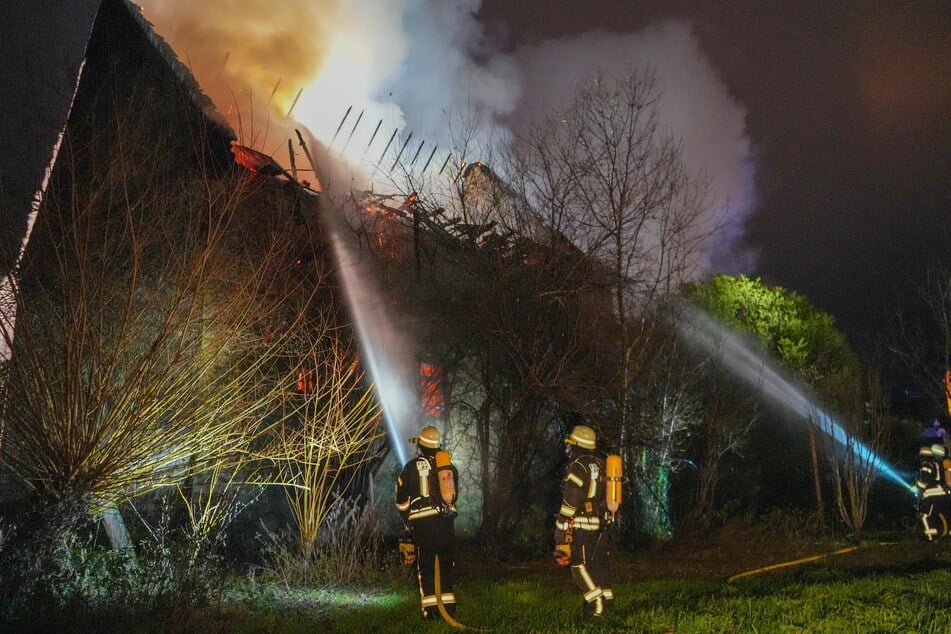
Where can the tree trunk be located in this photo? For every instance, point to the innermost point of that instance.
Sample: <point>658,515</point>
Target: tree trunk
<point>820,506</point>
<point>116,529</point>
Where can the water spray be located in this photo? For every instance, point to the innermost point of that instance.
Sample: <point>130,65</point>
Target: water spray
<point>702,331</point>
<point>384,349</point>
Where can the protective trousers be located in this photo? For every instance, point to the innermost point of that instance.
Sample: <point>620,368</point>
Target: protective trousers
<point>435,536</point>
<point>590,569</point>
<point>935,516</point>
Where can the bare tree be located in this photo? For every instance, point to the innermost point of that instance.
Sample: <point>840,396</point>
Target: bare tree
<point>609,178</point>
<point>151,316</point>
<point>332,424</point>
<point>852,464</point>
<point>214,498</point>
<point>728,418</point>
<point>534,359</point>
<point>922,342</point>
<point>670,413</point>
<point>616,185</point>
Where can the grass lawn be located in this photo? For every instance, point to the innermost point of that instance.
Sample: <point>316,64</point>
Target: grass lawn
<point>899,587</point>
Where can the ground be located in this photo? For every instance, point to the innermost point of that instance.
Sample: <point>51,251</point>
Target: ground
<point>886,583</point>
<point>893,583</point>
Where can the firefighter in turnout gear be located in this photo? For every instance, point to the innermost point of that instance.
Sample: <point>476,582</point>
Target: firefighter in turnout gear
<point>426,499</point>
<point>583,520</point>
<point>934,490</point>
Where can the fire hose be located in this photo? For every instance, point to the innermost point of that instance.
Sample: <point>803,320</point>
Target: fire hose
<point>804,560</point>
<point>442,608</point>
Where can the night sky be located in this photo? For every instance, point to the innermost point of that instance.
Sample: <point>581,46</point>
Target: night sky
<point>847,113</point>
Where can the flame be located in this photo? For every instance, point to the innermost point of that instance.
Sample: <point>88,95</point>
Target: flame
<point>431,398</point>
<point>947,389</point>
<point>255,161</point>
<point>256,60</point>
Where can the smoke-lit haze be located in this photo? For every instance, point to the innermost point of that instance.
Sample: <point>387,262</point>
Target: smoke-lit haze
<point>405,62</point>
<point>417,64</point>
<point>695,106</point>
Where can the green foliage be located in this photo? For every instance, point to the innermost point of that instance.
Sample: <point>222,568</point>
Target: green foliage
<point>56,575</point>
<point>785,324</point>
<point>805,341</point>
<point>654,496</point>
<point>834,597</point>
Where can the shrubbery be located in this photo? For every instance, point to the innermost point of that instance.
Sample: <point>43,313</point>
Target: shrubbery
<point>55,569</point>
<point>350,549</point>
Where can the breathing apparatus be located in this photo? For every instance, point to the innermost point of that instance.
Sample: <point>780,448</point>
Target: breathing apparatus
<point>429,438</point>
<point>612,491</point>
<point>584,437</point>
<point>447,482</point>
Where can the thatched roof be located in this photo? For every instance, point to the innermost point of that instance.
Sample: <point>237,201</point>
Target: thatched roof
<point>121,63</point>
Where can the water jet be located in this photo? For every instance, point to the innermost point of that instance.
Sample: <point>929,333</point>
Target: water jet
<point>385,351</point>
<point>702,331</point>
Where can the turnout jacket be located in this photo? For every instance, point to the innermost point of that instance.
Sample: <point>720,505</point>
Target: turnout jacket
<point>417,490</point>
<point>934,473</point>
<point>582,493</point>
<point>934,491</point>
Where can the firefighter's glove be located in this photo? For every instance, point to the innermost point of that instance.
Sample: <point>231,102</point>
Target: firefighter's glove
<point>407,552</point>
<point>562,554</point>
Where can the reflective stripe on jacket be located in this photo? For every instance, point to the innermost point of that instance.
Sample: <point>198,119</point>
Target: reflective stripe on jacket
<point>417,494</point>
<point>582,491</point>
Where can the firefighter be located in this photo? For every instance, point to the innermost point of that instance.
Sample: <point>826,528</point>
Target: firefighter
<point>934,490</point>
<point>425,497</point>
<point>583,520</point>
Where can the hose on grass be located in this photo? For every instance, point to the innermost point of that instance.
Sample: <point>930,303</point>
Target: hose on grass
<point>804,560</point>
<point>442,608</point>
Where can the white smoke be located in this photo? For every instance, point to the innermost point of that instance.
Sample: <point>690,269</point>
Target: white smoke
<point>695,107</point>
<point>420,65</point>
<point>440,76</point>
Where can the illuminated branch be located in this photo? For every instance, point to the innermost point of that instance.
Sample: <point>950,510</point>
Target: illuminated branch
<point>153,312</point>
<point>326,433</point>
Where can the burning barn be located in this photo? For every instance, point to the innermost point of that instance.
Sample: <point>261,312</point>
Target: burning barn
<point>490,259</point>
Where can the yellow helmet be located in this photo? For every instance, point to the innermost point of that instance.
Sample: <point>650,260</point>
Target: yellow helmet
<point>582,436</point>
<point>428,437</point>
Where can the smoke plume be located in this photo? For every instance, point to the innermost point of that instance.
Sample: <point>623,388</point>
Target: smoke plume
<point>418,65</point>
<point>695,107</point>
